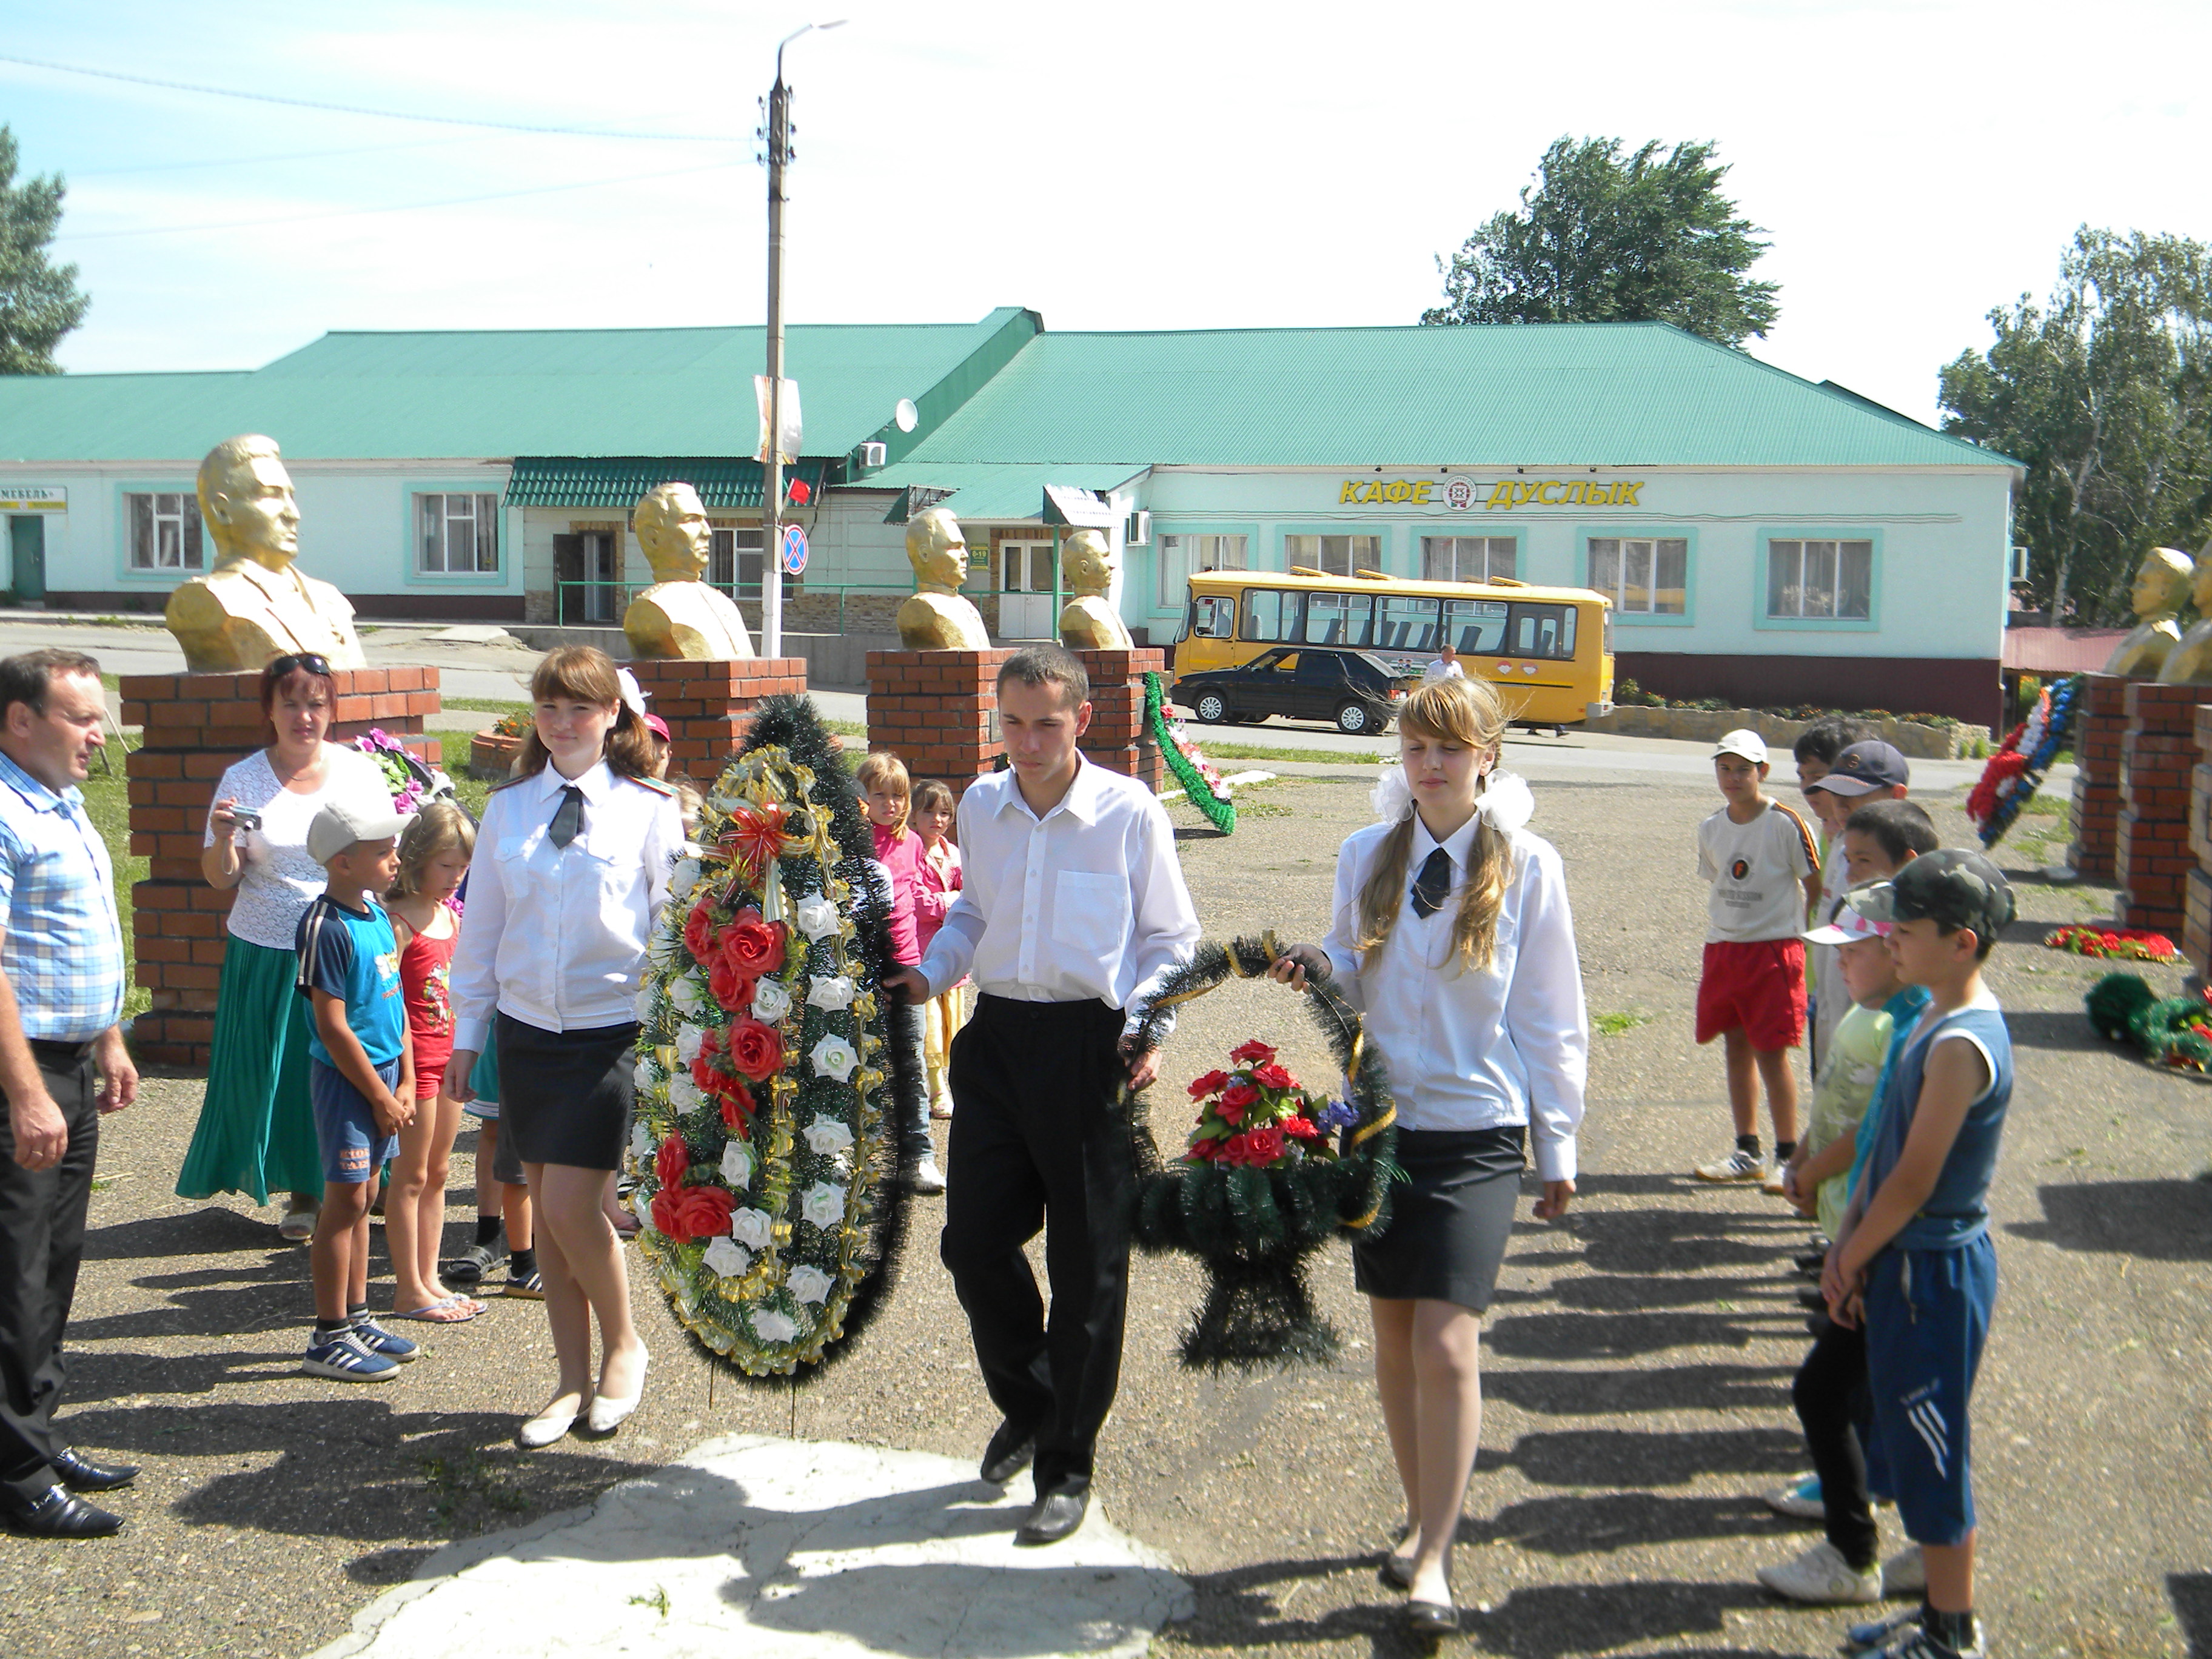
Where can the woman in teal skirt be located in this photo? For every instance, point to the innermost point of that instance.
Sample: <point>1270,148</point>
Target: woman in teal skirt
<point>256,1134</point>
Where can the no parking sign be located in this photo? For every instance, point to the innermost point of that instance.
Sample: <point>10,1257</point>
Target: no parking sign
<point>792,550</point>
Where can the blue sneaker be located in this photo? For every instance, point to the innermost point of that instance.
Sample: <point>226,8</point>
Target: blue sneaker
<point>342,1355</point>
<point>1800,1501</point>
<point>378,1340</point>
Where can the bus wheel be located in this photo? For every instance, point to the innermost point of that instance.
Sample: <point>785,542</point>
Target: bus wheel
<point>1210,710</point>
<point>1354,718</point>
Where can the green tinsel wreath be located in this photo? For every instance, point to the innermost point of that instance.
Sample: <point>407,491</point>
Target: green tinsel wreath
<point>2166,1029</point>
<point>1253,1229</point>
<point>1220,811</point>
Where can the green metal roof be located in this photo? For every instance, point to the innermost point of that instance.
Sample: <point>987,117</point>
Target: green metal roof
<point>492,394</point>
<point>617,481</point>
<point>990,494</point>
<point>1617,394</point>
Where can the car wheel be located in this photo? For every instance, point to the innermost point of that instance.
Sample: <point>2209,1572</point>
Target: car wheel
<point>1210,710</point>
<point>1354,718</point>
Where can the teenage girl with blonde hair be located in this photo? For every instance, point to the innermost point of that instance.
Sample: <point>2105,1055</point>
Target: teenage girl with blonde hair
<point>1452,937</point>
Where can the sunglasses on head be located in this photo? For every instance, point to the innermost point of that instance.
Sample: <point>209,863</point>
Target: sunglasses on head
<point>313,661</point>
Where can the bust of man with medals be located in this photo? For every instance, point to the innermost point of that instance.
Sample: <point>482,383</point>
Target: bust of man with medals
<point>2190,662</point>
<point>939,616</point>
<point>255,604</point>
<point>680,616</point>
<point>1089,622</point>
<point>2162,588</point>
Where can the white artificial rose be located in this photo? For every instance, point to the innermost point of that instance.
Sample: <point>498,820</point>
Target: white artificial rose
<point>817,917</point>
<point>683,991</point>
<point>684,877</point>
<point>690,1039</point>
<point>834,1057</point>
<point>685,1095</point>
<point>823,1204</point>
<point>642,1007</point>
<point>833,992</point>
<point>772,1326</point>
<point>771,1002</point>
<point>660,949</point>
<point>737,1165</point>
<point>809,1284</point>
<point>645,1073</point>
<point>728,1258</point>
<point>751,1227</point>
<point>827,1136</point>
<point>641,1141</point>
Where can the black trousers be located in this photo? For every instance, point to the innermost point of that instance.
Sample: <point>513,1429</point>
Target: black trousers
<point>1833,1403</point>
<point>41,1238</point>
<point>1036,1141</point>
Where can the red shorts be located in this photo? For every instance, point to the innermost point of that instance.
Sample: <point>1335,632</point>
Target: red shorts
<point>1758,985</point>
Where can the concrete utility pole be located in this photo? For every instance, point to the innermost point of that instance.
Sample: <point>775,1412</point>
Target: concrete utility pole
<point>778,134</point>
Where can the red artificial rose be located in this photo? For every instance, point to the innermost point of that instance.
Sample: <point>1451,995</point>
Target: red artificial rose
<point>1254,1049</point>
<point>1228,1114</point>
<point>1201,1087</point>
<point>1239,1094</point>
<point>754,946</point>
<point>1234,1149</point>
<point>672,1163</point>
<point>756,1049</point>
<point>1272,1076</point>
<point>1301,1127</point>
<point>692,1212</point>
<point>737,1107</point>
<point>1204,1149</point>
<point>699,931</point>
<point>704,1075</point>
<point>730,985</point>
<point>1263,1146</point>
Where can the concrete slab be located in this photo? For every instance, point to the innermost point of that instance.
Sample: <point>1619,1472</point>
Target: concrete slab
<point>753,1544</point>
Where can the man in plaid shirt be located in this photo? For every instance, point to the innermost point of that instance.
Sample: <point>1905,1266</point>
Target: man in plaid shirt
<point>62,1064</point>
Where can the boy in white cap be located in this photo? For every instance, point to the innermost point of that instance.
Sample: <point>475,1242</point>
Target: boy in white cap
<point>1765,868</point>
<point>361,1075</point>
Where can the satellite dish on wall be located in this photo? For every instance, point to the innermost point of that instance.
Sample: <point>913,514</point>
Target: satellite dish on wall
<point>906,414</point>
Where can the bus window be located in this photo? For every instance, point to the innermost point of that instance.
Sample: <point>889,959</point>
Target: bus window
<point>1543,630</point>
<point>1272,614</point>
<point>1407,625</point>
<point>1345,619</point>
<point>1476,627</point>
<point>1213,617</point>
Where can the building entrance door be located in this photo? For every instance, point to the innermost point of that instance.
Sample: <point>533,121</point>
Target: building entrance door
<point>584,572</point>
<point>1025,592</point>
<point>26,559</point>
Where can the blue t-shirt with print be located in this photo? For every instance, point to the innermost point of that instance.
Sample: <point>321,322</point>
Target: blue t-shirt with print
<point>353,956</point>
<point>1958,1211</point>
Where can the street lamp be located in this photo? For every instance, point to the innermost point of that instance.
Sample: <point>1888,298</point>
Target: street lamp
<point>779,157</point>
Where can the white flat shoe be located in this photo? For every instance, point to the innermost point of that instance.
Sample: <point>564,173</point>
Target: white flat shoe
<point>607,1414</point>
<point>542,1430</point>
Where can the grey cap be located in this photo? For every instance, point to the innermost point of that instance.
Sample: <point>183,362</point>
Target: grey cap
<point>342,823</point>
<point>1864,768</point>
<point>1952,887</point>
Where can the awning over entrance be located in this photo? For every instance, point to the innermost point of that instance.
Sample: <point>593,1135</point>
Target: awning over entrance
<point>724,482</point>
<point>991,494</point>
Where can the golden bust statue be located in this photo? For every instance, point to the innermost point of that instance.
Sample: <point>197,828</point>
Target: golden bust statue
<point>939,616</point>
<point>2190,662</point>
<point>2161,590</point>
<point>1089,622</point>
<point>255,604</point>
<point>680,616</point>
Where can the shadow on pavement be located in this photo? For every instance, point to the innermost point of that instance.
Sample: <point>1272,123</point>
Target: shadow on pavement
<point>1625,1457</point>
<point>2192,1605</point>
<point>1599,1525</point>
<point>2066,1030</point>
<point>2157,1220</point>
<point>1680,1388</point>
<point>992,1612</point>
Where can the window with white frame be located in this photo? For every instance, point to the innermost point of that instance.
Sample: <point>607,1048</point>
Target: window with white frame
<point>733,558</point>
<point>164,530</point>
<point>1643,577</point>
<point>1822,580</point>
<point>1332,555</point>
<point>1469,558</point>
<point>1181,557</point>
<point>456,535</point>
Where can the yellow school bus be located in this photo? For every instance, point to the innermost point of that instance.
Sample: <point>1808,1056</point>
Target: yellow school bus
<point>1549,650</point>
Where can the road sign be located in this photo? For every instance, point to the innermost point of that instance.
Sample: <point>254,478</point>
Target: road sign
<point>794,550</point>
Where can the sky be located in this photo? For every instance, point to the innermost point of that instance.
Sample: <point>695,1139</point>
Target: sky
<point>1137,166</point>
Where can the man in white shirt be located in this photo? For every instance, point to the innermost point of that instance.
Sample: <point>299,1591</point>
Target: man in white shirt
<point>1071,910</point>
<point>1445,667</point>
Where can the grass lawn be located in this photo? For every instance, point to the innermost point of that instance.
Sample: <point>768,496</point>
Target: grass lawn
<point>107,798</point>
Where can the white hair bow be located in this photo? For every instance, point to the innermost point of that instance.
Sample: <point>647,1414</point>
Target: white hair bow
<point>631,696</point>
<point>1505,803</point>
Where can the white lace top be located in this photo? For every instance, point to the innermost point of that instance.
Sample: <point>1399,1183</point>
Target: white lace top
<point>278,880</point>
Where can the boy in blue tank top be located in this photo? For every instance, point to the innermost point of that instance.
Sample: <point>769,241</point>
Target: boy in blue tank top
<point>1912,1260</point>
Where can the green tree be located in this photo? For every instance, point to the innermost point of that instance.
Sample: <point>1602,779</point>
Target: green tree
<point>1602,238</point>
<point>2104,395</point>
<point>39,300</point>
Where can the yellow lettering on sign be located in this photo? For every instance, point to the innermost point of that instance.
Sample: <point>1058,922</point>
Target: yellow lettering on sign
<point>1623,495</point>
<point>1501,494</point>
<point>1542,499</point>
<point>1421,489</point>
<point>1349,493</point>
<point>1374,497</point>
<point>1396,490</point>
<point>1576,492</point>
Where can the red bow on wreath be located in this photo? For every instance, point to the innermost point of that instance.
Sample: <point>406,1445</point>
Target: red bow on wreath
<point>756,836</point>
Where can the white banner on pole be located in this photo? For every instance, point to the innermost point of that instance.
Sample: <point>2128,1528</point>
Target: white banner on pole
<point>787,417</point>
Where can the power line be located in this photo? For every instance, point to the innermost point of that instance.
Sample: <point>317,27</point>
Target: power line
<point>404,207</point>
<point>355,109</point>
<point>75,173</point>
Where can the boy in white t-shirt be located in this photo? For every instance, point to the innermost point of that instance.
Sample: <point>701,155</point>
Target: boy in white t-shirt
<point>1766,874</point>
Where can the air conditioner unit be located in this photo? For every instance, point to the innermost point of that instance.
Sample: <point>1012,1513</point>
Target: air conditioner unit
<point>874,455</point>
<point>1140,530</point>
<point>2019,571</point>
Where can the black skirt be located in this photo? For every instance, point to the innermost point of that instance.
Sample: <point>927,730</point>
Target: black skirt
<point>564,1096</point>
<point>1449,1219</point>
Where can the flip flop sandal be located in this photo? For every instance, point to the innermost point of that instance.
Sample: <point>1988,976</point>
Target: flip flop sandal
<point>447,1312</point>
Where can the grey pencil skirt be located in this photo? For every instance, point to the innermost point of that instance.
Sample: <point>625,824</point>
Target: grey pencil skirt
<point>1449,1219</point>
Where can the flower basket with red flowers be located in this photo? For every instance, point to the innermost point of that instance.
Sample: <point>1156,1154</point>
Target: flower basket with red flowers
<point>1270,1172</point>
<point>2116,944</point>
<point>769,1064</point>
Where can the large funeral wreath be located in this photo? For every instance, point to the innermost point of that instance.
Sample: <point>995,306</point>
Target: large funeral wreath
<point>1271,1173</point>
<point>770,1070</point>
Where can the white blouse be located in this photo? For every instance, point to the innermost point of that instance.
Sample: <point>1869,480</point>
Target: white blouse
<point>1467,1048</point>
<point>277,878</point>
<point>553,936</point>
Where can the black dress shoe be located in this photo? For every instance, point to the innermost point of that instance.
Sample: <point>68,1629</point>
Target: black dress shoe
<point>1008,1453</point>
<point>56,1513</point>
<point>1431,1617</point>
<point>1810,1262</point>
<point>1056,1515</point>
<point>81,1473</point>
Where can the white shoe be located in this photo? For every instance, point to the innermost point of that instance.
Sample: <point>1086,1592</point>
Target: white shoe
<point>1904,1573</point>
<point>607,1414</point>
<point>542,1430</point>
<point>1823,1578</point>
<point>928,1179</point>
<point>1738,1166</point>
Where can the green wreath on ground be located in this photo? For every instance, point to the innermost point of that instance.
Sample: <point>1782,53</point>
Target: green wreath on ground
<point>1201,786</point>
<point>1253,1213</point>
<point>2170,1032</point>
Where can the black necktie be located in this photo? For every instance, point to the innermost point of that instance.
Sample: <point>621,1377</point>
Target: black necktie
<point>568,818</point>
<point>1433,885</point>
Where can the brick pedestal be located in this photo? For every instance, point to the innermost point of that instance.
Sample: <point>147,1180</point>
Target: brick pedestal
<point>708,705</point>
<point>1116,738</point>
<point>2196,886</point>
<point>2153,859</point>
<point>2100,723</point>
<point>196,726</point>
<point>938,711</point>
